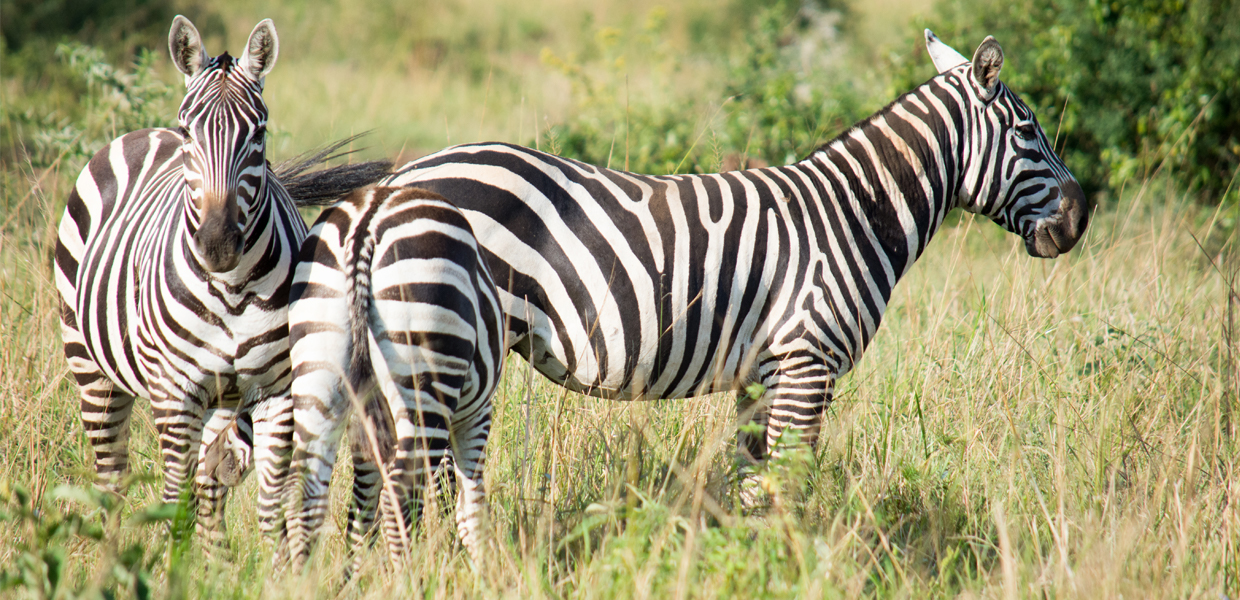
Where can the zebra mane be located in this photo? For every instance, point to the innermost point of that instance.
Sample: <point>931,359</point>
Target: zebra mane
<point>326,186</point>
<point>882,112</point>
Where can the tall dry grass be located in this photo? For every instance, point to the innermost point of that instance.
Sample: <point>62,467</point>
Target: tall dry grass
<point>1019,427</point>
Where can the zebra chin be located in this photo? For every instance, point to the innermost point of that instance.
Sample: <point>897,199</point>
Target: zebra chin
<point>1058,233</point>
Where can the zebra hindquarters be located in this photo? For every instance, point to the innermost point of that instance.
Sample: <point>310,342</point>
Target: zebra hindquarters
<point>424,341</point>
<point>320,356</point>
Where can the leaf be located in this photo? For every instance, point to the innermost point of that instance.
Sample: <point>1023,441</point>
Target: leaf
<point>54,558</point>
<point>163,511</point>
<point>142,587</point>
<point>76,494</point>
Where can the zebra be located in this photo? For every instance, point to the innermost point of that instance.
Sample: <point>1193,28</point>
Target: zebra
<point>173,264</point>
<point>626,286</point>
<point>393,313</point>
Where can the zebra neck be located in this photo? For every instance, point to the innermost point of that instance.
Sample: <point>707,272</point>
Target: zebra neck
<point>890,173</point>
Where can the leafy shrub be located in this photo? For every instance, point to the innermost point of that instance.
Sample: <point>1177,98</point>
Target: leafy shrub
<point>50,528</point>
<point>115,102</point>
<point>1130,87</point>
<point>772,108</point>
<point>97,21</point>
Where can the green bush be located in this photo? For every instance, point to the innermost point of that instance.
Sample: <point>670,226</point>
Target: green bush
<point>113,102</point>
<point>770,108</point>
<point>75,521</point>
<point>110,22</point>
<point>1128,88</point>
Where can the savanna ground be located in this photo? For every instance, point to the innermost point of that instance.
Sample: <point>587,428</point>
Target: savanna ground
<point>1019,427</point>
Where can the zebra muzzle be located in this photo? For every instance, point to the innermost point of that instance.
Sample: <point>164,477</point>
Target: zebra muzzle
<point>1059,233</point>
<point>219,242</point>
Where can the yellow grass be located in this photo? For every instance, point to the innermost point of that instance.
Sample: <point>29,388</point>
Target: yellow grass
<point>1019,427</point>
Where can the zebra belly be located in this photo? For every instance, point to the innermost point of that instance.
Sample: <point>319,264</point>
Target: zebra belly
<point>537,340</point>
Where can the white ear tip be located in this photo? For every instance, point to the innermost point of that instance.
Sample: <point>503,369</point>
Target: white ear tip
<point>930,37</point>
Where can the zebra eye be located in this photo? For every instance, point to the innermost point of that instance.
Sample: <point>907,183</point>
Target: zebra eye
<point>1025,130</point>
<point>259,133</point>
<point>183,132</point>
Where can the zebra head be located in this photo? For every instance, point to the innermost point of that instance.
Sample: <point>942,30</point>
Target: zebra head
<point>223,122</point>
<point>1010,170</point>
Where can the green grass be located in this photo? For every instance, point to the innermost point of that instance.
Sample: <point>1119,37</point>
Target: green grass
<point>1019,427</point>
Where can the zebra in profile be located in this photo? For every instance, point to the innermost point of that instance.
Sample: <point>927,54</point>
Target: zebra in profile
<point>630,286</point>
<point>174,262</point>
<point>394,320</point>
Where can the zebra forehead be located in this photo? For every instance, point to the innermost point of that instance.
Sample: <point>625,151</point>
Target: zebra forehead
<point>221,82</point>
<point>230,103</point>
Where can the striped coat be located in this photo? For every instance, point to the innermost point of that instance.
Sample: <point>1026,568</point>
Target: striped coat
<point>622,285</point>
<point>395,321</point>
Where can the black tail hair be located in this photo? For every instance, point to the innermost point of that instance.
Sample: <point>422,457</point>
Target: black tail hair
<point>326,186</point>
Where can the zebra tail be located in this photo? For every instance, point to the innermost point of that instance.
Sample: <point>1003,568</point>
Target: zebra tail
<point>326,186</point>
<point>358,296</point>
<point>361,374</point>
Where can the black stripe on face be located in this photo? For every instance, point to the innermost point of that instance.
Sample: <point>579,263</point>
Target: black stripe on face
<point>1030,169</point>
<point>223,117</point>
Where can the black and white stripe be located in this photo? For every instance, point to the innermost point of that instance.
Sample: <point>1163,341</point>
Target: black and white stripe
<point>393,310</point>
<point>174,262</point>
<point>624,286</point>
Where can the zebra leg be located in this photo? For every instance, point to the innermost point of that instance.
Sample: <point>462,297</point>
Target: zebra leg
<point>367,482</point>
<point>223,459</point>
<point>413,468</point>
<point>469,439</point>
<point>273,443</point>
<point>400,506</point>
<point>105,408</point>
<point>105,417</point>
<point>788,416</point>
<point>751,421</point>
<point>179,423</point>
<point>752,451</point>
<point>797,409</point>
<point>317,414</point>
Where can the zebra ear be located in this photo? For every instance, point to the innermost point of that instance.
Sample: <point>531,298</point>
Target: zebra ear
<point>944,57</point>
<point>987,62</point>
<point>261,50</point>
<point>186,47</point>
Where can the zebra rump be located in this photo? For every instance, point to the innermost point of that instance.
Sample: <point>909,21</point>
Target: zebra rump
<point>396,330</point>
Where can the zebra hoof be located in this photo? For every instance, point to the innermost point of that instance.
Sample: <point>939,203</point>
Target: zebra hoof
<point>753,492</point>
<point>222,464</point>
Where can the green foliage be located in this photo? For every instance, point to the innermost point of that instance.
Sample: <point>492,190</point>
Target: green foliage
<point>95,21</point>
<point>115,101</point>
<point>53,528</point>
<point>785,110</point>
<point>1128,88</point>
<point>774,109</point>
